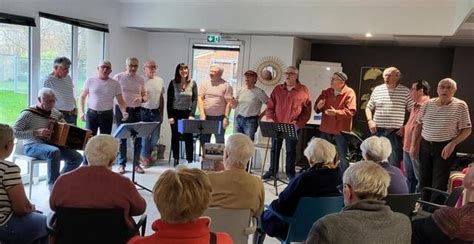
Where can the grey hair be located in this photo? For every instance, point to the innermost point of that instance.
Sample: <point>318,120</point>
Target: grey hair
<point>6,134</point>
<point>106,62</point>
<point>46,92</point>
<point>62,61</point>
<point>101,149</point>
<point>397,71</point>
<point>450,81</point>
<point>239,149</point>
<point>131,59</point>
<point>293,68</point>
<point>221,70</point>
<point>369,180</point>
<point>376,149</point>
<point>319,151</point>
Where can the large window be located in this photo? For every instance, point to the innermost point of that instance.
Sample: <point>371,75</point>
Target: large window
<point>56,41</point>
<point>90,54</point>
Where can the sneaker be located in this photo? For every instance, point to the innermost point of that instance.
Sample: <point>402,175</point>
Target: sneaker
<point>145,163</point>
<point>139,170</point>
<point>268,175</point>
<point>121,170</point>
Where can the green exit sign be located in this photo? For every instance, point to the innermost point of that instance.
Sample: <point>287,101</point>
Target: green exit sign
<point>213,38</point>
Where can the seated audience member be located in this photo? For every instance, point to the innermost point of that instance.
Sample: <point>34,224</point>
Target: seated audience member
<point>19,222</point>
<point>181,196</point>
<point>321,180</point>
<point>378,149</point>
<point>234,187</point>
<point>448,223</point>
<point>365,217</point>
<point>96,185</point>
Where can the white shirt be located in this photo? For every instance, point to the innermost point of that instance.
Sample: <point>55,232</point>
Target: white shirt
<point>154,88</point>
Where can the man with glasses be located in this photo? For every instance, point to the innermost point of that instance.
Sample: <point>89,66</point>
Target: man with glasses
<point>288,103</point>
<point>152,110</point>
<point>134,94</point>
<point>100,92</point>
<point>61,83</point>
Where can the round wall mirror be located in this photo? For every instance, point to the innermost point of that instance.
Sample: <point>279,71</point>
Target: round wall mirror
<point>269,70</point>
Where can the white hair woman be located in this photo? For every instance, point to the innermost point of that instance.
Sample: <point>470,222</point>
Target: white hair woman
<point>96,185</point>
<point>234,187</point>
<point>378,149</point>
<point>321,180</point>
<point>365,218</point>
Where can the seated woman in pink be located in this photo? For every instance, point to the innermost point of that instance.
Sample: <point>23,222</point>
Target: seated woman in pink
<point>96,185</point>
<point>182,196</point>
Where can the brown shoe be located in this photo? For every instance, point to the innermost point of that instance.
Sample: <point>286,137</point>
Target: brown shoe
<point>121,170</point>
<point>139,170</point>
<point>145,163</point>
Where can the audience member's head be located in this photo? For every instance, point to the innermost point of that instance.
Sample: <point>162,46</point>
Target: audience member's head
<point>6,141</point>
<point>320,151</point>
<point>101,150</point>
<point>182,195</point>
<point>469,183</point>
<point>376,149</point>
<point>238,151</point>
<point>365,180</point>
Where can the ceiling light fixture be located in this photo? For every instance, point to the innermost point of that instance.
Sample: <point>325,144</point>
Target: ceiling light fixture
<point>368,34</point>
<point>328,68</point>
<point>202,30</point>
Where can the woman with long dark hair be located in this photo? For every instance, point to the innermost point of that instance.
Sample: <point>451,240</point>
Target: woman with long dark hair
<point>181,104</point>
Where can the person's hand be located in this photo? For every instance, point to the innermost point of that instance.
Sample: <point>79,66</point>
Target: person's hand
<point>202,116</point>
<point>171,120</point>
<point>269,120</point>
<point>124,116</point>
<point>414,151</point>
<point>401,131</point>
<point>233,102</point>
<point>447,150</point>
<point>372,126</point>
<point>42,133</point>
<point>82,116</point>
<point>191,117</point>
<point>320,104</point>
<point>226,122</point>
<point>137,100</point>
<point>330,111</point>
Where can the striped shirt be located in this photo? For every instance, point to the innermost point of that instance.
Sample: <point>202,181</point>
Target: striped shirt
<point>64,91</point>
<point>9,177</point>
<point>390,105</point>
<point>28,122</point>
<point>443,123</point>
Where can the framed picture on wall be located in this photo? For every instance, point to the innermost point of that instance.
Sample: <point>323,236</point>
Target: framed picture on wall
<point>370,77</point>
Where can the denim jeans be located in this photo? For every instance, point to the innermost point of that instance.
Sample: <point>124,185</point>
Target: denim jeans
<point>412,169</point>
<point>396,143</point>
<point>99,120</point>
<point>219,136</point>
<point>133,116</point>
<point>53,155</point>
<point>290,157</point>
<point>246,125</point>
<point>341,146</point>
<point>27,228</point>
<point>150,141</point>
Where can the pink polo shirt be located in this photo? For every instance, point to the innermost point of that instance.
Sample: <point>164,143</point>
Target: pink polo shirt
<point>289,106</point>
<point>132,87</point>
<point>215,96</point>
<point>101,93</point>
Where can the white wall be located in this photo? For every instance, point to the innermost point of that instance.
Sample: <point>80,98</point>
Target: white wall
<point>301,51</point>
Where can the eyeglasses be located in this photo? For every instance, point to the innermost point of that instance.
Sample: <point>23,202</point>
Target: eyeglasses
<point>151,66</point>
<point>290,73</point>
<point>105,67</point>
<point>133,65</point>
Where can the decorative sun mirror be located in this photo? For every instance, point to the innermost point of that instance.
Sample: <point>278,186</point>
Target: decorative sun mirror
<point>269,70</point>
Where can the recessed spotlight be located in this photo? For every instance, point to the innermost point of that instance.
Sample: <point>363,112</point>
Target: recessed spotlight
<point>328,68</point>
<point>368,34</point>
<point>202,30</point>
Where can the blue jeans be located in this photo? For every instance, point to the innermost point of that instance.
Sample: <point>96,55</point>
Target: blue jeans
<point>219,136</point>
<point>341,146</point>
<point>28,228</point>
<point>290,157</point>
<point>246,125</point>
<point>99,120</point>
<point>53,155</point>
<point>412,169</point>
<point>396,143</point>
<point>133,116</point>
<point>149,115</point>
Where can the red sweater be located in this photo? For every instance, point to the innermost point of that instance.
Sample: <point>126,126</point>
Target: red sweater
<point>345,105</point>
<point>97,187</point>
<point>195,232</point>
<point>289,106</point>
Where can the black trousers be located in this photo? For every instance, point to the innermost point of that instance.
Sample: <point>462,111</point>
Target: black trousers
<point>425,231</point>
<point>175,135</point>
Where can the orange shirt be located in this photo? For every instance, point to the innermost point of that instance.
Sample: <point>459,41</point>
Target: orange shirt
<point>345,105</point>
<point>411,123</point>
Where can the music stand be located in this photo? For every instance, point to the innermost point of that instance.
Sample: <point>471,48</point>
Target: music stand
<point>200,127</point>
<point>277,131</point>
<point>134,131</point>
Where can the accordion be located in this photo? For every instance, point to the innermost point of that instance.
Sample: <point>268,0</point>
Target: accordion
<point>67,135</point>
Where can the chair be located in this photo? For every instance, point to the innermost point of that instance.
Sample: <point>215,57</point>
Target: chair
<point>450,198</point>
<point>91,225</point>
<point>402,203</point>
<point>238,223</point>
<point>308,211</point>
<point>18,154</point>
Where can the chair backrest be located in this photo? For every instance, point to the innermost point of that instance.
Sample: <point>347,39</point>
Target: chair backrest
<point>19,147</point>
<point>402,203</point>
<point>89,225</point>
<point>235,222</point>
<point>454,196</point>
<point>308,211</point>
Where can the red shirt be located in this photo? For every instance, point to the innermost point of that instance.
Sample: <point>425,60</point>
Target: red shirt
<point>195,232</point>
<point>345,105</point>
<point>456,222</point>
<point>411,123</point>
<point>289,106</point>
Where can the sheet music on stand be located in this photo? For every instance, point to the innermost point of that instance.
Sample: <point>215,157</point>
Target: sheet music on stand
<point>200,127</point>
<point>135,130</point>
<point>277,130</point>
